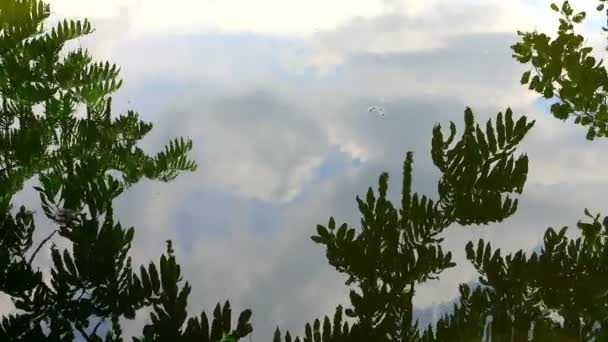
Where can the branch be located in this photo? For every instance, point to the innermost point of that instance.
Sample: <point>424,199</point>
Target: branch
<point>97,326</point>
<point>83,333</point>
<point>40,246</point>
<point>84,291</point>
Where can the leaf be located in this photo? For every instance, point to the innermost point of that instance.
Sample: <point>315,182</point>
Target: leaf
<point>350,234</point>
<point>590,134</point>
<point>317,239</point>
<point>154,278</point>
<point>483,145</point>
<point>525,77</point>
<point>332,223</point>
<point>579,17</point>
<point>341,232</point>
<point>322,231</point>
<point>491,137</point>
<point>566,8</point>
<point>508,124</point>
<point>229,338</point>
<point>500,129</point>
<point>560,111</point>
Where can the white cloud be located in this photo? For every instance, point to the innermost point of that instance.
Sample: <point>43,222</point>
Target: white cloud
<point>300,18</point>
<point>430,21</point>
<point>429,25</point>
<point>265,16</point>
<point>90,9</point>
<point>253,144</point>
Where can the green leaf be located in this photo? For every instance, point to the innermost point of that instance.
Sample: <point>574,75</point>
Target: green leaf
<point>587,213</point>
<point>525,77</point>
<point>350,234</point>
<point>508,124</point>
<point>322,231</point>
<point>317,239</point>
<point>535,83</point>
<point>591,134</point>
<point>500,129</point>
<point>560,111</point>
<point>491,136</point>
<point>566,8</point>
<point>341,232</point>
<point>579,17</point>
<point>229,338</point>
<point>154,278</point>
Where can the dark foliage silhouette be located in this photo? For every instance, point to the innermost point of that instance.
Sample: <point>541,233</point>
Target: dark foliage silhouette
<point>564,71</point>
<point>75,161</point>
<point>568,277</point>
<point>518,294</point>
<point>397,250</point>
<point>82,164</point>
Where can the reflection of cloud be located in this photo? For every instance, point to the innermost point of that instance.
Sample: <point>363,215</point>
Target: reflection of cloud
<point>459,70</point>
<point>90,9</point>
<point>268,141</point>
<point>306,18</point>
<point>255,145</point>
<point>263,16</point>
<point>264,134</point>
<point>419,26</point>
<point>110,20</point>
<point>6,305</point>
<point>281,277</point>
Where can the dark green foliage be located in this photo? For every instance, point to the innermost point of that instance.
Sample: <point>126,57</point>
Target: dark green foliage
<point>32,74</point>
<point>569,277</point>
<point>480,168</point>
<point>398,249</point>
<point>466,323</point>
<point>169,303</point>
<point>82,165</point>
<point>564,70</point>
<point>76,160</point>
<point>336,332</point>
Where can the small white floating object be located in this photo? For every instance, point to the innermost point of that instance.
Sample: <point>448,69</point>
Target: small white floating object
<point>379,110</point>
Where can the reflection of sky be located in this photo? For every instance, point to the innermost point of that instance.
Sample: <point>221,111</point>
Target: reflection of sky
<point>335,163</point>
<point>216,219</point>
<point>254,80</point>
<point>262,217</point>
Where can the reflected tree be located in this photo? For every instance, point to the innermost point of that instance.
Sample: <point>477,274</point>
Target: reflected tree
<point>82,164</point>
<point>563,70</point>
<point>399,249</point>
<point>568,277</point>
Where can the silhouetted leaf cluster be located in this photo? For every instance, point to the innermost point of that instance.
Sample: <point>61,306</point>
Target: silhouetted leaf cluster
<point>564,70</point>
<point>520,293</point>
<point>82,164</point>
<point>397,250</point>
